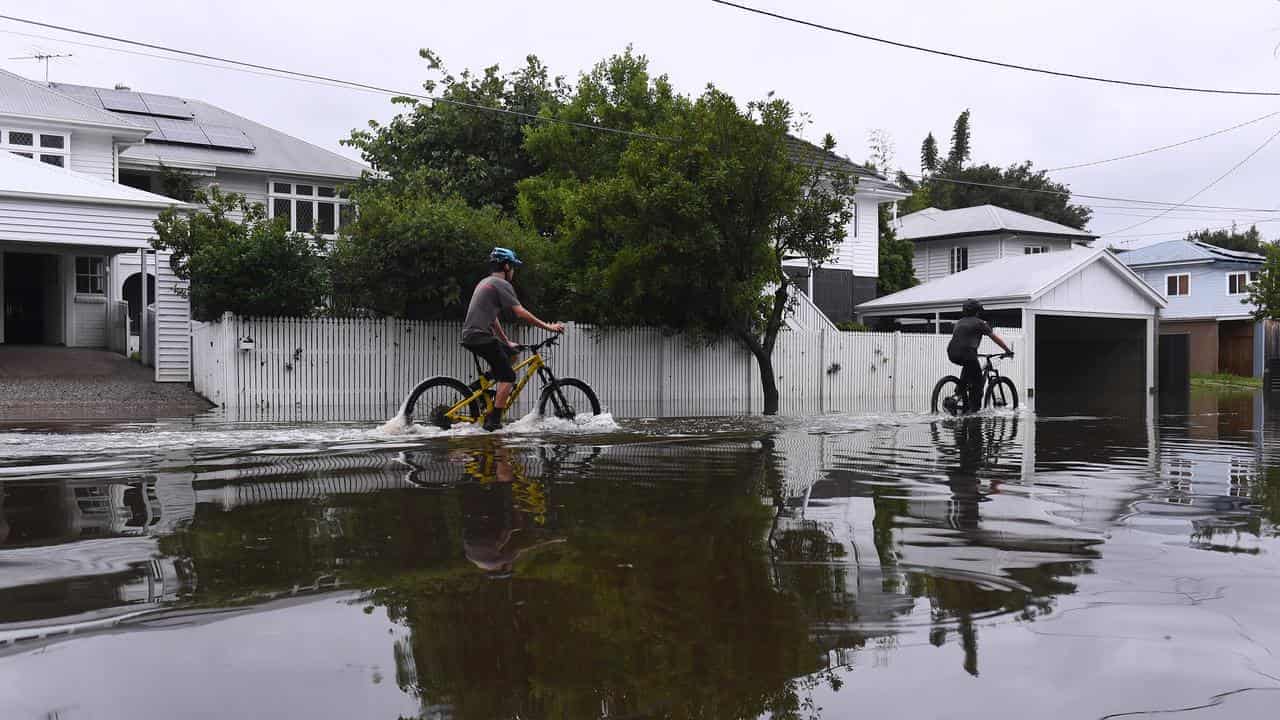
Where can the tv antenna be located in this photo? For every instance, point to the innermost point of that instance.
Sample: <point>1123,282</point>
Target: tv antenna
<point>46,57</point>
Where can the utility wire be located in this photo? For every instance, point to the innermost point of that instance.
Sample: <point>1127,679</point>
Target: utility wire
<point>996,63</point>
<point>336,81</point>
<point>1158,203</point>
<point>282,73</point>
<point>1187,232</point>
<point>1163,147</point>
<point>1202,190</point>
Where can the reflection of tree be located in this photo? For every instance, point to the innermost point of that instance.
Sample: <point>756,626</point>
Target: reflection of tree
<point>658,597</point>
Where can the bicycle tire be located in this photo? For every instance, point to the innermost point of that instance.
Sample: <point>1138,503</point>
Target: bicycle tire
<point>1001,395</point>
<point>554,394</point>
<point>938,395</point>
<point>452,390</point>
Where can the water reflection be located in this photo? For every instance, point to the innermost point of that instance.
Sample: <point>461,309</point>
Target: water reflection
<point>715,570</point>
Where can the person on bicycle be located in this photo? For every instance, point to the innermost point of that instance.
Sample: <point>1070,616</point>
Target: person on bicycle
<point>482,332</point>
<point>963,351</point>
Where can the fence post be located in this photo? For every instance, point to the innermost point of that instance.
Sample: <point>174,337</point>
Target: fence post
<point>893,367</point>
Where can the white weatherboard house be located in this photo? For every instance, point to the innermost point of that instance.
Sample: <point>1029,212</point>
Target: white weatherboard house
<point>59,231</point>
<point>952,241</point>
<point>125,138</point>
<point>1207,289</point>
<point>850,276</point>
<point>1089,321</point>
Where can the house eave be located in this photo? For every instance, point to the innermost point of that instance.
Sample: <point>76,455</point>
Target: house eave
<point>996,303</point>
<point>1003,231</point>
<point>149,163</point>
<point>82,200</point>
<point>132,130</point>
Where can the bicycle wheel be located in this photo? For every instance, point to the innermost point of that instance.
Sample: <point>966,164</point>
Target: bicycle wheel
<point>431,399</point>
<point>567,398</point>
<point>948,396</point>
<point>1001,395</point>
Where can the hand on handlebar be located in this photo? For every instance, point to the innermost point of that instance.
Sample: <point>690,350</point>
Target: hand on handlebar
<point>556,328</point>
<point>1007,354</point>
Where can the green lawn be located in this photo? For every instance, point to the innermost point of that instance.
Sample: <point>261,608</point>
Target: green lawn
<point>1224,380</point>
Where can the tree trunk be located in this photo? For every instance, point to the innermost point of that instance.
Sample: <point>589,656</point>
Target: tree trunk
<point>769,382</point>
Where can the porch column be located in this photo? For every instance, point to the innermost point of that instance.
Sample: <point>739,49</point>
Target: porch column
<point>142,316</point>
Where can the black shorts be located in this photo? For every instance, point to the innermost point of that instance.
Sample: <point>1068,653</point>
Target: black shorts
<point>498,357</point>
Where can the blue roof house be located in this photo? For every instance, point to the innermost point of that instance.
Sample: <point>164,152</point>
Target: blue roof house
<point>1207,290</point>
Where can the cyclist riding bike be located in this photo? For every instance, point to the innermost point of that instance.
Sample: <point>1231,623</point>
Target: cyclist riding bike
<point>963,350</point>
<point>482,332</point>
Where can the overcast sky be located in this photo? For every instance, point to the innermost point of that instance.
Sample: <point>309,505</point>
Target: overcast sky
<point>848,86</point>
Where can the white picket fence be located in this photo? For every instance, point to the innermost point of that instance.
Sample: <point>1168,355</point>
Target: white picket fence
<point>328,367</point>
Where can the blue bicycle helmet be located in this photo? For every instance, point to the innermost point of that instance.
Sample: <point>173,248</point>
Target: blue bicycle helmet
<point>503,255</point>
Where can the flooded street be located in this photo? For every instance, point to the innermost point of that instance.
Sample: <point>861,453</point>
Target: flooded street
<point>831,566</point>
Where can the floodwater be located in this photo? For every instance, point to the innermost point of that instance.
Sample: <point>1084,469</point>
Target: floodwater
<point>831,566</point>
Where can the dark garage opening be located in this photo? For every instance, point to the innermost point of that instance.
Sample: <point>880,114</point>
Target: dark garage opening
<point>31,306</point>
<point>1173,373</point>
<point>1094,366</point>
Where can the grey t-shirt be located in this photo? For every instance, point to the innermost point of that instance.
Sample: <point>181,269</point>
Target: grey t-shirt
<point>492,296</point>
<point>967,335</point>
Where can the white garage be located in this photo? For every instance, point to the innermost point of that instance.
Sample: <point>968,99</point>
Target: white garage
<point>1089,321</point>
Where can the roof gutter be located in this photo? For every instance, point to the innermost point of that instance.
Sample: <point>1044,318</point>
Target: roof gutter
<point>149,204</point>
<point>1001,231</point>
<point>940,305</point>
<point>140,131</point>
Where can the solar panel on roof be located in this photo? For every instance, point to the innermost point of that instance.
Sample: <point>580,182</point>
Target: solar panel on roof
<point>122,101</point>
<point>225,136</point>
<point>166,106</point>
<point>181,131</point>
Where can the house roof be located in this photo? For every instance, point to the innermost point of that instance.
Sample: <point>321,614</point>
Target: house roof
<point>806,153</point>
<point>31,179</point>
<point>262,149</point>
<point>932,223</point>
<point>1015,280</point>
<point>27,98</point>
<point>1174,252</point>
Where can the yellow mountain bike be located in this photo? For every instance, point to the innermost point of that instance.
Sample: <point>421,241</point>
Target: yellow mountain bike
<point>446,401</point>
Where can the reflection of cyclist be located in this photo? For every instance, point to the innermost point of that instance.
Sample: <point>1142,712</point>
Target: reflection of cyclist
<point>500,512</point>
<point>482,332</point>
<point>963,351</point>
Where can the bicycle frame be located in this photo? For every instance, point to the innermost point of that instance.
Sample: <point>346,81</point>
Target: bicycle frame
<point>530,366</point>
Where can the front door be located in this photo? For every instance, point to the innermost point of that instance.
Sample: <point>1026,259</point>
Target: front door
<point>24,298</point>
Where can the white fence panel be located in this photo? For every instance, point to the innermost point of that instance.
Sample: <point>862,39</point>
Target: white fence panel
<point>357,367</point>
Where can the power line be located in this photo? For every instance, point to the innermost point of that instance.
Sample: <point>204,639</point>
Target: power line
<point>1187,232</point>
<point>1073,195</point>
<point>1163,147</point>
<point>328,81</point>
<point>337,81</point>
<point>996,63</point>
<point>1201,191</point>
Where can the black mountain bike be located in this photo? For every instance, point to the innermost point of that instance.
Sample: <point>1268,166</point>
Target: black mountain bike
<point>951,397</point>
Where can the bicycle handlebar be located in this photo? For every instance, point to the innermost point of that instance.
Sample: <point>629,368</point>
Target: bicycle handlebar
<point>538,346</point>
<point>995,355</point>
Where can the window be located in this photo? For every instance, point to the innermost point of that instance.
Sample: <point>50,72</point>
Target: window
<point>50,148</point>
<point>1176,285</point>
<point>959,259</point>
<point>310,208</point>
<point>91,276</point>
<point>1238,282</point>
<point>1035,249</point>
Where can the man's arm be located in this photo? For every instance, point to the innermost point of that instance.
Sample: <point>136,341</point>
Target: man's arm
<point>532,319</point>
<point>1000,341</point>
<point>499,332</point>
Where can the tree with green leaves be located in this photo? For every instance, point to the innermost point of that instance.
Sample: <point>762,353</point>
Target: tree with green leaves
<point>1264,293</point>
<point>928,155</point>
<point>238,260</point>
<point>451,147</point>
<point>1018,187</point>
<point>1231,239</point>
<point>418,256</point>
<point>689,231</point>
<point>896,255</point>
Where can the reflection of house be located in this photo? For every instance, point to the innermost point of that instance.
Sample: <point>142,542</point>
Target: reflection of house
<point>951,241</point>
<point>1207,290</point>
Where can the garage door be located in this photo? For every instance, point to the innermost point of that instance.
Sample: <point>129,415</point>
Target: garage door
<point>1095,366</point>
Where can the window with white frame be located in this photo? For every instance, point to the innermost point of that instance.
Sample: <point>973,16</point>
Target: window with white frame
<point>1177,285</point>
<point>91,275</point>
<point>959,259</point>
<point>1238,282</point>
<point>310,207</point>
<point>1035,249</point>
<point>47,147</point>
